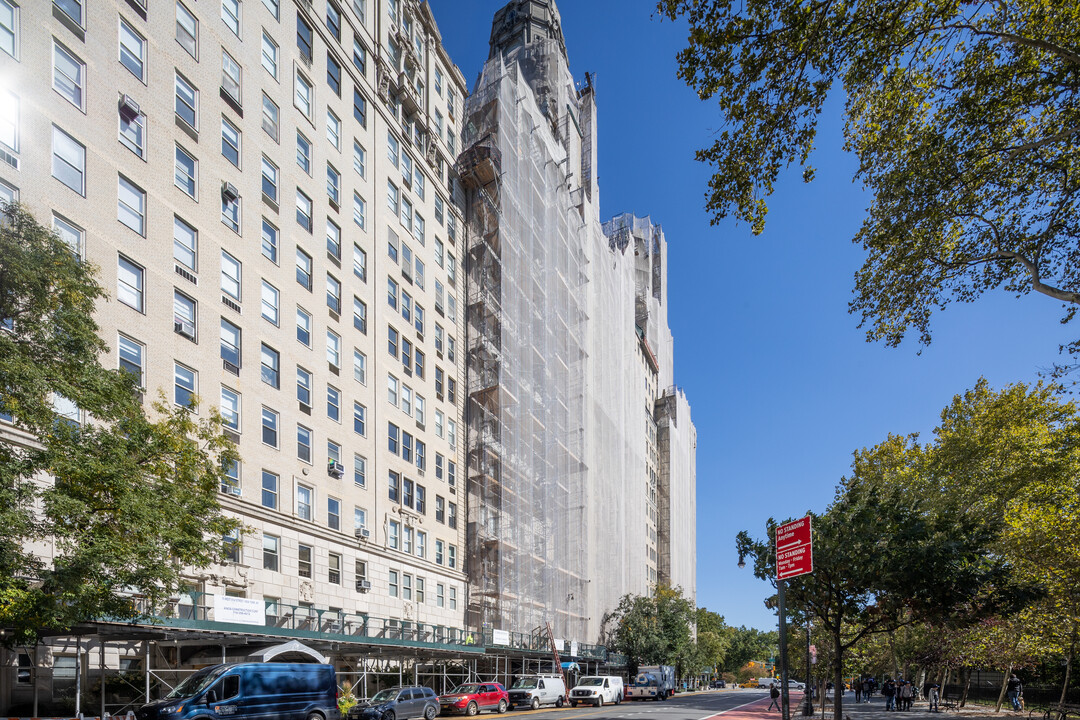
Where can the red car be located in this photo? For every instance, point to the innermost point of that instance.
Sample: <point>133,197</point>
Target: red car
<point>471,698</point>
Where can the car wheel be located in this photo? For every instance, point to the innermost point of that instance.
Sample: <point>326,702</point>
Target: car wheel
<point>315,716</point>
<point>573,703</point>
<point>502,706</point>
<point>388,715</point>
<point>535,704</point>
<point>430,712</point>
<point>559,702</point>
<point>471,709</point>
<point>600,701</point>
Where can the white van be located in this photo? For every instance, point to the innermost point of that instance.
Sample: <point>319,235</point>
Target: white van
<point>597,690</point>
<point>535,690</point>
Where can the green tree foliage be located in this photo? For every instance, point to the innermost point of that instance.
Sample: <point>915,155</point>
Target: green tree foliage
<point>656,629</point>
<point>713,639</point>
<point>749,645</point>
<point>964,118</point>
<point>122,502</point>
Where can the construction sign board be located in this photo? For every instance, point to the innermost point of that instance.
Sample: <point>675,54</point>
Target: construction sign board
<point>794,549</point>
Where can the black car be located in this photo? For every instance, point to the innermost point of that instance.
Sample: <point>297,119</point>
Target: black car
<point>398,703</point>
<point>717,684</point>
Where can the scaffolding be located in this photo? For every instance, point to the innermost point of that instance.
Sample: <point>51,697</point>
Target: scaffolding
<point>525,360</point>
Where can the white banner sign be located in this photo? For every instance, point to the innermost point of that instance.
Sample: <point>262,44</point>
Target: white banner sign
<point>500,637</point>
<point>559,644</point>
<point>247,611</point>
<point>574,648</point>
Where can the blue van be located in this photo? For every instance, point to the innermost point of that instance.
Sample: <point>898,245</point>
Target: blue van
<point>253,691</point>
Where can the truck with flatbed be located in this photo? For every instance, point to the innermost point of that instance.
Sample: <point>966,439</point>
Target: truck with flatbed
<point>652,682</point>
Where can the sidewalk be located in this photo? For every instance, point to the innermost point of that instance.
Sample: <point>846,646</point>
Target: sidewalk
<point>873,710</point>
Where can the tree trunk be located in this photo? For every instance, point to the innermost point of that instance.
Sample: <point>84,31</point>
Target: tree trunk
<point>966,674</point>
<point>1068,668</point>
<point>1004,686</point>
<point>838,674</point>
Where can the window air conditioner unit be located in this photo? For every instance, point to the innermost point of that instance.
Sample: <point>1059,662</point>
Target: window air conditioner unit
<point>363,533</point>
<point>184,327</point>
<point>336,470</point>
<point>363,585</point>
<point>128,107</point>
<point>229,192</point>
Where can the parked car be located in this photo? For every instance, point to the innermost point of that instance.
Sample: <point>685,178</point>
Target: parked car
<point>597,690</point>
<point>471,698</point>
<point>537,690</point>
<point>795,685</point>
<point>398,703</point>
<point>287,691</point>
<point>717,684</point>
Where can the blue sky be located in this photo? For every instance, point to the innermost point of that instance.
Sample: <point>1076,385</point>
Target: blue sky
<point>782,384</point>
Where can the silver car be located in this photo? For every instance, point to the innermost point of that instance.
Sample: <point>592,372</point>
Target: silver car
<point>398,703</point>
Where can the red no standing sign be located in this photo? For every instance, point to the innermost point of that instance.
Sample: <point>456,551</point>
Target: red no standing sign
<point>794,549</point>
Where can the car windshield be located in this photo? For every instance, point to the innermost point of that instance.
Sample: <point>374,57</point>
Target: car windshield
<point>195,684</point>
<point>591,682</point>
<point>527,683</point>
<point>385,696</point>
<point>467,689</point>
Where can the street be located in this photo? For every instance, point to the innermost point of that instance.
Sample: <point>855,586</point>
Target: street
<point>694,706</point>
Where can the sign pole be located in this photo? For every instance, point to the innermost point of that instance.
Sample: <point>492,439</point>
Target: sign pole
<point>784,703</point>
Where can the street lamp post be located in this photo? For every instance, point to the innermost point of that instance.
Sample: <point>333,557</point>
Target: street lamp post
<point>808,709</point>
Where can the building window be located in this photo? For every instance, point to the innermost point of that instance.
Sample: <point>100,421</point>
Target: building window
<point>440,595</point>
<point>270,360</point>
<point>272,6</point>
<point>269,241</point>
<point>231,77</point>
<point>333,239</point>
<point>359,367</point>
<point>185,381</point>
<point>9,27</point>
<point>230,15</point>
<point>359,159</point>
<point>129,283</point>
<point>393,583</point>
<point>303,387</point>
<point>269,180</point>
<point>304,38</point>
<point>333,293</point>
<point>333,74</point>
<point>185,239</point>
<point>394,535</point>
<point>303,502</point>
<point>359,56</point>
<point>333,513</point>
<point>394,486</point>
<point>270,117</point>
<point>303,153</point>
<point>230,409</point>
<point>69,75</point>
<point>359,263</point>
<point>303,444</point>
<point>230,142</point>
<point>304,95</point>
<point>406,579</point>
<point>451,516</point>
<point>439,552</point>
<point>184,315</point>
<point>303,561</point>
<point>333,349</point>
<point>132,51</point>
<point>334,571</point>
<point>440,504</point>
<point>231,270</point>
<point>132,131</point>
<point>186,172</point>
<point>359,315</point>
<point>333,129</point>
<point>68,160</point>
<point>359,211</point>
<point>359,419</point>
<point>453,590</point>
<point>360,108</point>
<point>269,489</point>
<point>230,343</point>
<point>421,552</point>
<point>393,438</point>
<point>333,185</point>
<point>303,326</point>
<point>392,390</point>
<point>187,102</point>
<point>131,205</point>
<point>270,552</point>
<point>131,353</point>
<point>392,341</point>
<point>230,212</point>
<point>333,403</point>
<point>269,428</point>
<point>303,210</point>
<point>303,269</point>
<point>187,30</point>
<point>359,471</point>
<point>269,55</point>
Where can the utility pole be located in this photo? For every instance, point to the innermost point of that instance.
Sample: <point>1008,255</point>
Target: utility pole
<point>784,700</point>
<point>808,696</point>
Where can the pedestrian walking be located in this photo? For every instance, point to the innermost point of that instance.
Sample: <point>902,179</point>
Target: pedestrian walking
<point>933,697</point>
<point>905,695</point>
<point>1015,690</point>
<point>889,691</point>
<point>856,685</point>
<point>774,693</point>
